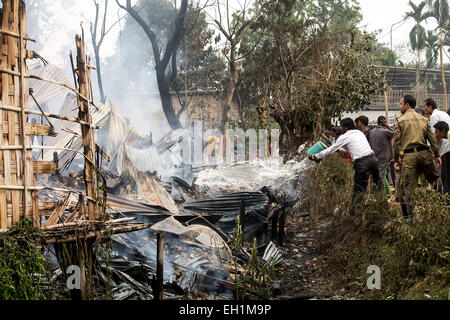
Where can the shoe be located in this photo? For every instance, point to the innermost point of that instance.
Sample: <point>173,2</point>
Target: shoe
<point>409,219</point>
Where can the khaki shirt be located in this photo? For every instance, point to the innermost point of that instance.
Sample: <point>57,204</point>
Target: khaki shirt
<point>412,131</point>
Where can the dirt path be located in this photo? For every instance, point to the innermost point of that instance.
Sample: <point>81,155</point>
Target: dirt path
<point>303,275</point>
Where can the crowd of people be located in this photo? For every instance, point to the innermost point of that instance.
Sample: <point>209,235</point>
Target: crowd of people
<point>416,150</point>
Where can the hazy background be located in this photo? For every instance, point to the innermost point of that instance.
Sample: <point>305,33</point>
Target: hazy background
<point>132,87</point>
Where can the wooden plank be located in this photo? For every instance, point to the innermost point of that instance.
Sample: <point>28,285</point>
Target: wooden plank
<point>58,212</point>
<point>38,129</point>
<point>44,167</point>
<point>36,216</point>
<point>39,167</point>
<point>35,199</point>
<point>76,211</point>
<point>30,128</point>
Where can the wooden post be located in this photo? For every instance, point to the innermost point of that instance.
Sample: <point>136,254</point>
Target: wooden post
<point>386,106</point>
<point>82,265</point>
<point>158,294</point>
<point>90,175</point>
<point>444,85</point>
<point>275,224</point>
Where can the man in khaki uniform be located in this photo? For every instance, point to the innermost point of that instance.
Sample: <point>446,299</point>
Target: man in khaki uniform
<point>411,151</point>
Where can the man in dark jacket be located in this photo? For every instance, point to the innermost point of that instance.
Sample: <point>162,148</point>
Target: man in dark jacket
<point>380,142</point>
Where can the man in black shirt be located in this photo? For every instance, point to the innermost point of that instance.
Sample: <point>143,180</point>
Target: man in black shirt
<point>362,123</point>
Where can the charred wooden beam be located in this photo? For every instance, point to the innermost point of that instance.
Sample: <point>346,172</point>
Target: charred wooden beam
<point>58,212</point>
<point>158,292</point>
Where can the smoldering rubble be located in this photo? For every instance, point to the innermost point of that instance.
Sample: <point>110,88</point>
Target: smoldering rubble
<point>194,206</point>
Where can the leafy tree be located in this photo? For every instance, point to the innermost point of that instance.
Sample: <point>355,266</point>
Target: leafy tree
<point>200,66</point>
<point>232,26</point>
<point>318,68</point>
<point>384,56</point>
<point>440,12</point>
<point>418,35</point>
<point>197,65</point>
<point>432,46</point>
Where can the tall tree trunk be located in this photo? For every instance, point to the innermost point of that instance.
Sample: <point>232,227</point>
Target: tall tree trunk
<point>418,68</point>
<point>161,63</point>
<point>228,97</point>
<point>262,113</point>
<point>444,85</point>
<point>99,73</point>
<point>166,99</point>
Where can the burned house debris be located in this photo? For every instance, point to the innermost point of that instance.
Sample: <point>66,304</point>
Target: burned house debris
<point>86,176</point>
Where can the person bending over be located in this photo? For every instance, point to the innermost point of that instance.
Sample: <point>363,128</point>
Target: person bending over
<point>355,143</point>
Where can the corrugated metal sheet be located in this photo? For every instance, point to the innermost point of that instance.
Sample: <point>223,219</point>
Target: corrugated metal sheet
<point>44,91</point>
<point>66,139</point>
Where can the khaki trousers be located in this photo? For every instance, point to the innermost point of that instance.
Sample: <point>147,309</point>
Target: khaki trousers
<point>413,165</point>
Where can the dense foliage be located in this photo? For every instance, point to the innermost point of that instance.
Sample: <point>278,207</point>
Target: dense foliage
<point>321,65</point>
<point>21,263</point>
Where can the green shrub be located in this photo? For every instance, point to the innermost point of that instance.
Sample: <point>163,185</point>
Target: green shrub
<point>330,185</point>
<point>21,262</point>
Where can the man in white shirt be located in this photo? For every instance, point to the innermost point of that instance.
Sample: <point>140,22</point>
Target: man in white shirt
<point>430,108</point>
<point>441,133</point>
<point>353,141</point>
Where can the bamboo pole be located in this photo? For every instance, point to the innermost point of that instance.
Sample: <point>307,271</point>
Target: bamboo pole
<point>87,133</point>
<point>23,116</point>
<point>15,35</point>
<point>50,115</point>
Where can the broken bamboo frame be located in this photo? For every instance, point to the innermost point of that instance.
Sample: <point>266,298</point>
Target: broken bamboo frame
<point>98,233</point>
<point>81,222</point>
<point>90,176</point>
<point>50,115</point>
<point>15,202</point>
<point>24,118</point>
<point>16,35</point>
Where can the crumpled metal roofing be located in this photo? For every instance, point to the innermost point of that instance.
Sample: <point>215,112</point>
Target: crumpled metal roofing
<point>229,203</point>
<point>69,140</point>
<point>45,91</point>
